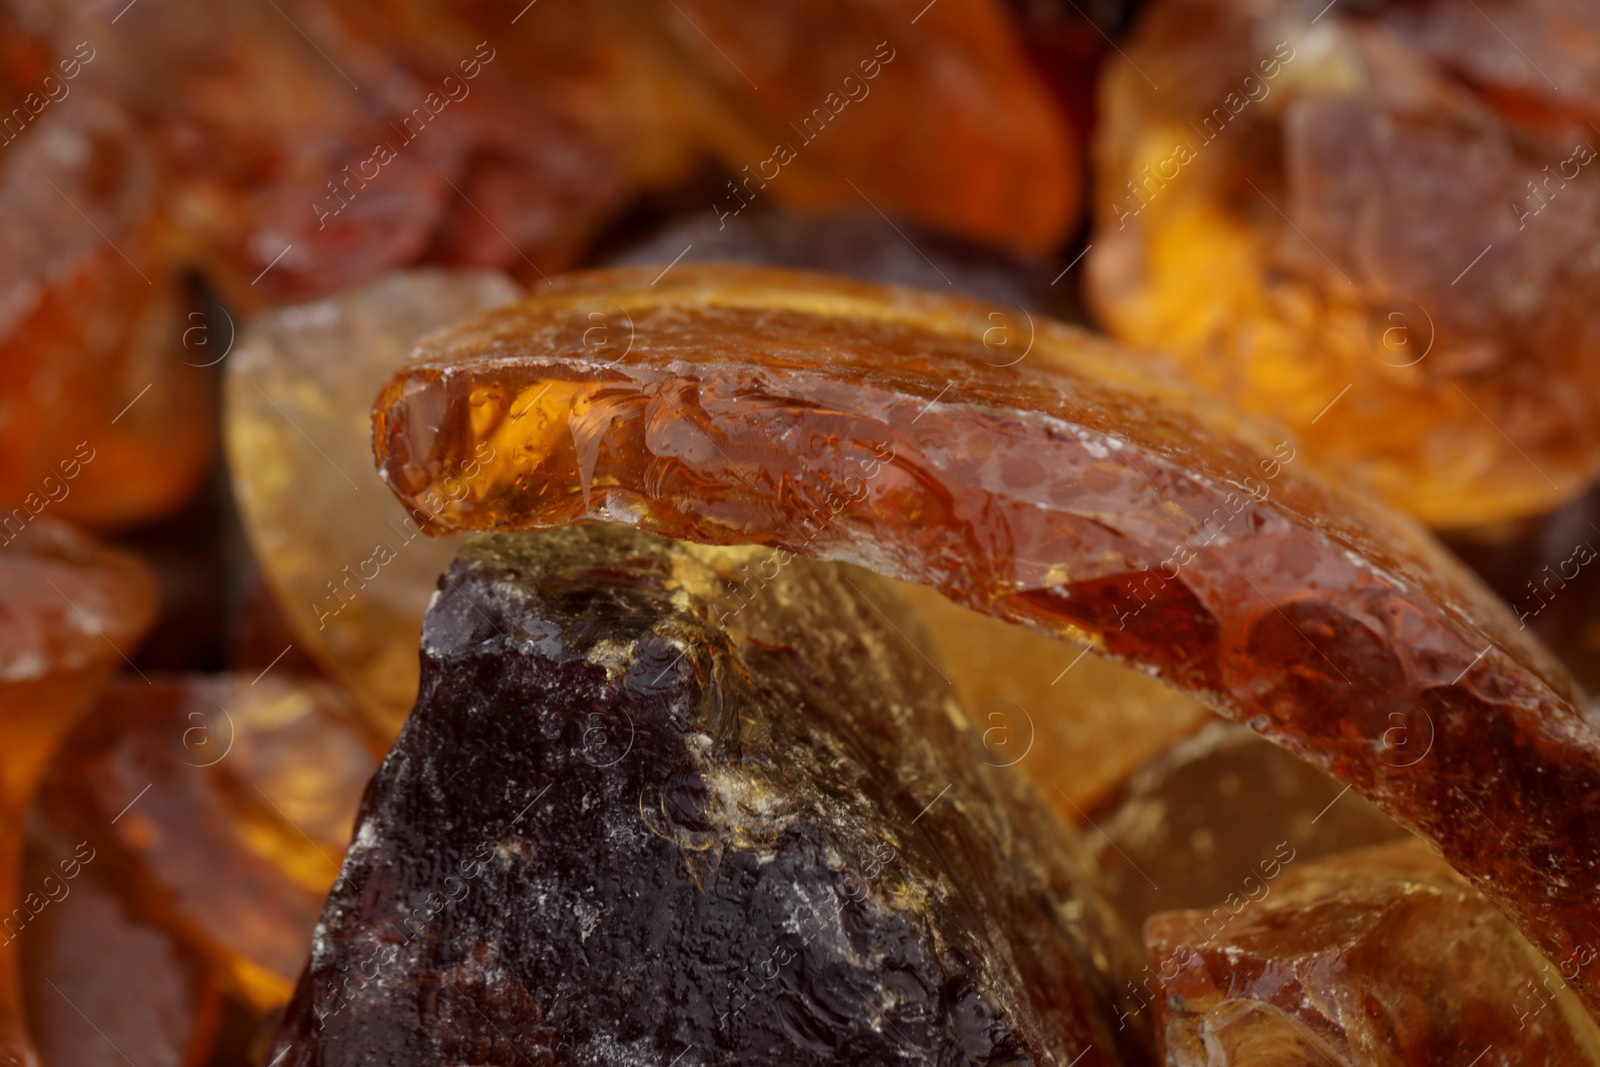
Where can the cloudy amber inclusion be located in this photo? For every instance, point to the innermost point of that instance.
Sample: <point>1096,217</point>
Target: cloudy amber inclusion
<point>1070,491</point>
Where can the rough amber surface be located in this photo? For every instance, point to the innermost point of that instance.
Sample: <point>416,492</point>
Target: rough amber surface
<point>1073,491</point>
<point>1375,227</point>
<point>70,613</point>
<point>224,804</point>
<point>1383,957</point>
<point>1076,724</point>
<point>624,825</point>
<point>100,419</point>
<point>103,986</point>
<point>350,567</point>
<point>1210,821</point>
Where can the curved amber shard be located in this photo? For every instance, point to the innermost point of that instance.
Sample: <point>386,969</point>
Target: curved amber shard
<point>1383,957</point>
<point>100,420</point>
<point>350,568</point>
<point>225,804</point>
<point>1376,230</point>
<point>1073,491</point>
<point>70,614</point>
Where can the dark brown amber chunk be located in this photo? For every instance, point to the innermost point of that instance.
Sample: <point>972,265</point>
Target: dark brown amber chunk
<point>1072,490</point>
<point>1382,957</point>
<point>625,826</point>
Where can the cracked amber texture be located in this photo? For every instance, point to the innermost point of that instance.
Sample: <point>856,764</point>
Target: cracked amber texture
<point>1073,491</point>
<point>1375,228</point>
<point>1383,957</point>
<point>225,804</point>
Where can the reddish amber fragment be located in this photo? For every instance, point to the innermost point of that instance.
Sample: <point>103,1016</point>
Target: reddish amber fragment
<point>1402,207</point>
<point>1383,957</point>
<point>239,799</point>
<point>100,420</point>
<point>932,113</point>
<point>1072,490</point>
<point>104,987</point>
<point>70,613</point>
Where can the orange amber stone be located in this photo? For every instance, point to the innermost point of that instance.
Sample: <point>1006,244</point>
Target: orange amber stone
<point>1072,490</point>
<point>225,804</point>
<point>1383,957</point>
<point>70,613</point>
<point>100,418</point>
<point>1076,724</point>
<point>1376,228</point>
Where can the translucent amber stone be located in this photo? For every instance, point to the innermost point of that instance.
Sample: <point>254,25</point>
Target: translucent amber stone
<point>103,986</point>
<point>1383,957</point>
<point>1376,227</point>
<point>348,564</point>
<point>1073,491</point>
<point>70,613</point>
<point>100,419</point>
<point>625,823</point>
<point>1209,820</point>
<point>225,805</point>
<point>1076,724</point>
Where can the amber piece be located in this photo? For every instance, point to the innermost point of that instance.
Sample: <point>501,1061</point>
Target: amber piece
<point>1203,823</point>
<point>1376,230</point>
<point>92,324</point>
<point>1076,724</point>
<point>104,987</point>
<point>1383,957</point>
<point>70,613</point>
<point>348,564</point>
<point>225,804</point>
<point>1073,491</point>
<point>625,823</point>
<point>932,114</point>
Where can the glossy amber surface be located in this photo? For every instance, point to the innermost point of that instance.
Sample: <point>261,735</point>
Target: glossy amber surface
<point>1073,491</point>
<point>1373,224</point>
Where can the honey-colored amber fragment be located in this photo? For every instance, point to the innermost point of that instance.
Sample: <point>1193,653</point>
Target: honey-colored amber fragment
<point>100,419</point>
<point>350,568</point>
<point>225,804</point>
<point>70,613</point>
<point>1375,227</point>
<point>1383,957</point>
<point>1073,491</point>
<point>105,987</point>
<point>1213,820</point>
<point>1076,724</point>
